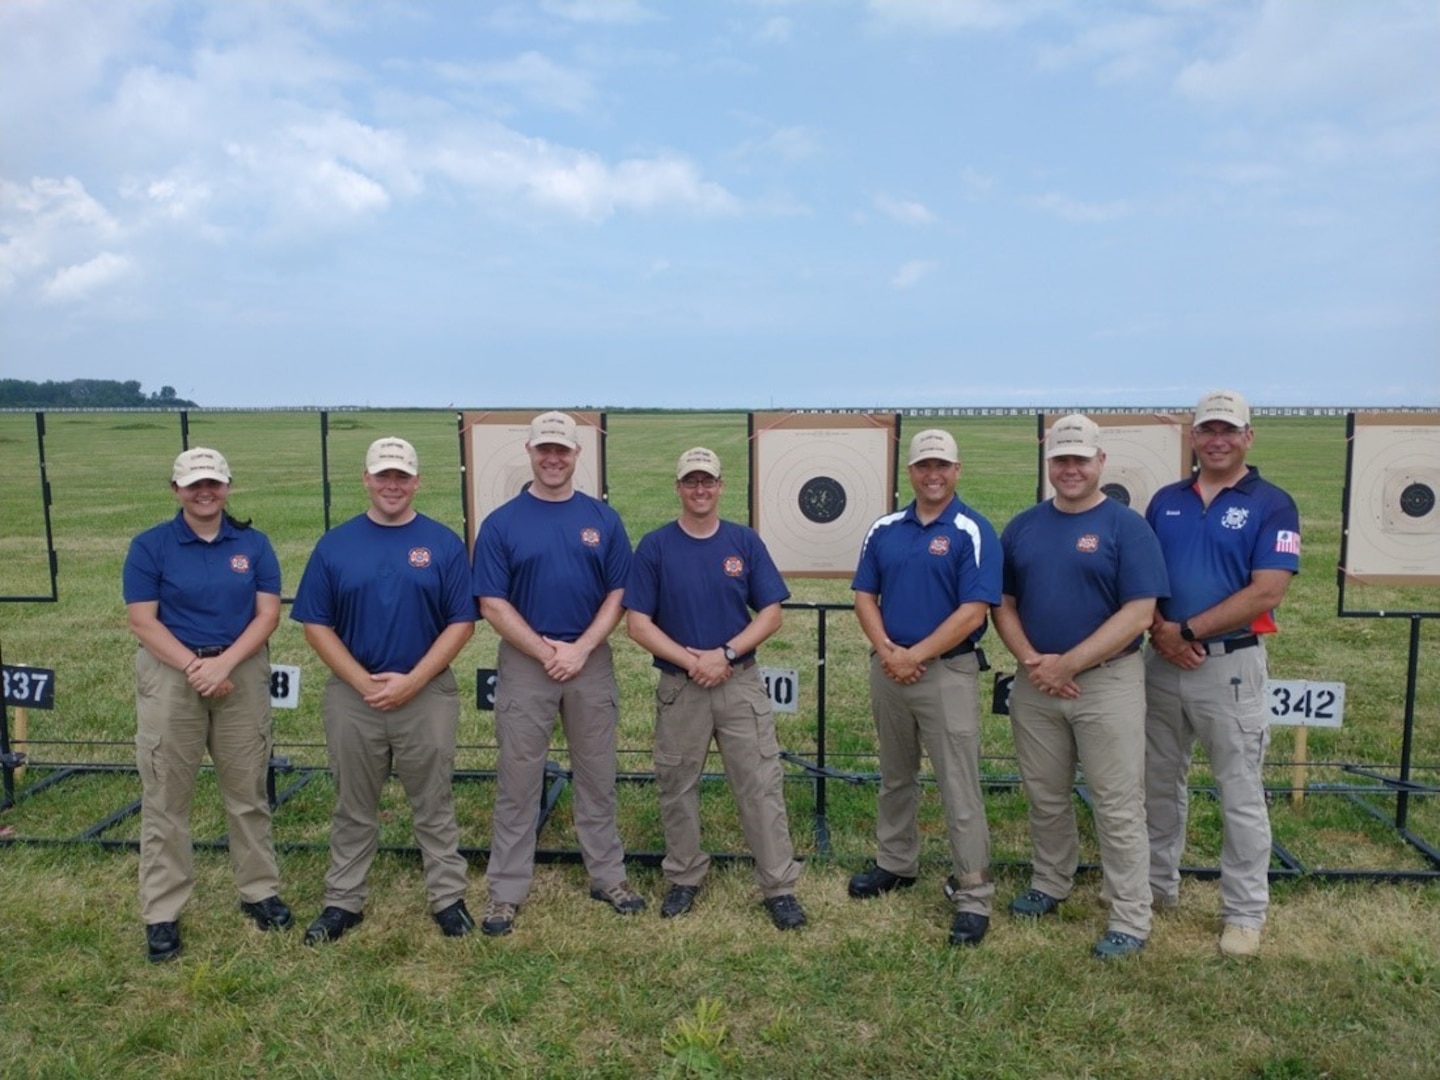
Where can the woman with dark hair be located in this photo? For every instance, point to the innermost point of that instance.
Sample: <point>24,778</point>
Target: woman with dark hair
<point>202,592</point>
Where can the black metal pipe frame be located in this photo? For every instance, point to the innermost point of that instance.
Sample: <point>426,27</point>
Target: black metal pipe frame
<point>805,771</point>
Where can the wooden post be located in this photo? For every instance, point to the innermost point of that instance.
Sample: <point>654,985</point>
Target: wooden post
<point>22,730</point>
<point>1297,782</point>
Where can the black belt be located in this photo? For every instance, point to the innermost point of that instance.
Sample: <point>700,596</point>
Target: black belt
<point>1225,646</point>
<point>1130,650</point>
<point>963,649</point>
<point>205,652</point>
<point>739,665</point>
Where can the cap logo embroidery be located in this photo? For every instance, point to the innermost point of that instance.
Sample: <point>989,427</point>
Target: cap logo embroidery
<point>940,545</point>
<point>1088,542</point>
<point>240,564</point>
<point>420,557</point>
<point>734,565</point>
<point>1235,517</point>
<point>590,537</point>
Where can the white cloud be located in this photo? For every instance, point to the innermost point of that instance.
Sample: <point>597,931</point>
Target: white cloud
<point>775,30</point>
<point>49,223</point>
<point>532,75</point>
<point>904,211</point>
<point>1074,210</point>
<point>912,273</point>
<point>955,15</point>
<point>74,283</point>
<point>616,12</point>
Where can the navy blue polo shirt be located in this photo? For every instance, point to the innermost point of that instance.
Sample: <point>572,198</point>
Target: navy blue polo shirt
<point>205,590</point>
<point>923,573</point>
<point>1210,552</point>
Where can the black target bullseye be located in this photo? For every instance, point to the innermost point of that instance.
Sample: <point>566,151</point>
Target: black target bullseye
<point>822,500</point>
<point>1119,492</point>
<point>1417,500</point>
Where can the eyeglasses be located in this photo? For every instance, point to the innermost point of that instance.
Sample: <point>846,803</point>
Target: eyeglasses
<point>709,483</point>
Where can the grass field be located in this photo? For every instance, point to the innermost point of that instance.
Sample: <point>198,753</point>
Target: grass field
<point>1349,984</point>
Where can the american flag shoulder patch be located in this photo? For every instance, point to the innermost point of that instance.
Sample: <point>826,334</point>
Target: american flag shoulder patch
<point>1287,542</point>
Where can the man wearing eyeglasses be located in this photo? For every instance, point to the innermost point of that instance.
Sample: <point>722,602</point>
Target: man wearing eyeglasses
<point>703,594</point>
<point>549,567</point>
<point>1231,543</point>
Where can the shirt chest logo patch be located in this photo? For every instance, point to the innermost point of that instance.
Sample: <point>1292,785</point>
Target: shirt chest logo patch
<point>420,557</point>
<point>1088,543</point>
<point>240,564</point>
<point>1235,517</point>
<point>734,565</point>
<point>940,545</point>
<point>590,537</point>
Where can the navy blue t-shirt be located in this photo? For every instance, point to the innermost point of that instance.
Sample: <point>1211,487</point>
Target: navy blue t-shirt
<point>701,592</point>
<point>388,591</point>
<point>554,562</point>
<point>1069,573</point>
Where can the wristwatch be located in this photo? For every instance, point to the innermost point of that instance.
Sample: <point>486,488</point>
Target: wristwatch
<point>730,654</point>
<point>1186,632</point>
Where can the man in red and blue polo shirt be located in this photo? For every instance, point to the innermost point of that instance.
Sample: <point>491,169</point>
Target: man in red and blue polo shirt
<point>1232,543</point>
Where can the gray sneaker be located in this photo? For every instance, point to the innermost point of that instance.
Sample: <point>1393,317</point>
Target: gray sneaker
<point>1116,944</point>
<point>498,919</point>
<point>625,900</point>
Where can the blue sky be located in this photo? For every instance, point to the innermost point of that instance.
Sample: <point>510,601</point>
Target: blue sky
<point>728,203</point>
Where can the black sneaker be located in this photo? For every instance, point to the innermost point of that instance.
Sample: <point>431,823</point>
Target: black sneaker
<point>876,880</point>
<point>968,928</point>
<point>785,912</point>
<point>269,914</point>
<point>331,923</point>
<point>678,900</point>
<point>455,920</point>
<point>162,940</point>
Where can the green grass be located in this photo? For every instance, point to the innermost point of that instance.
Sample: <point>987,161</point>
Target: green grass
<point>1349,985</point>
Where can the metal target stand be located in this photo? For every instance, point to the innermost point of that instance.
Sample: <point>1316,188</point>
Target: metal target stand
<point>287,779</point>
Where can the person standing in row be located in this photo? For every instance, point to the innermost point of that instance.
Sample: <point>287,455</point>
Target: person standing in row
<point>1082,574</point>
<point>703,594</point>
<point>385,604</point>
<point>549,570</point>
<point>202,595</point>
<point>927,578</point>
<point>1232,543</point>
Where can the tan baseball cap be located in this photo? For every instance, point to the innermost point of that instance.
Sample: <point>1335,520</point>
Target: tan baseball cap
<point>553,429</point>
<point>391,452</point>
<point>200,463</point>
<point>933,444</point>
<point>1226,406</point>
<point>697,459</point>
<point>1075,435</point>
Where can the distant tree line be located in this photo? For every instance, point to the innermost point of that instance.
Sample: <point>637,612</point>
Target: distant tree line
<point>86,394</point>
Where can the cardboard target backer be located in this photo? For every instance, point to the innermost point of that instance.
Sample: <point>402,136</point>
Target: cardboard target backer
<point>1392,508</point>
<point>1142,455</point>
<point>817,483</point>
<point>497,466</point>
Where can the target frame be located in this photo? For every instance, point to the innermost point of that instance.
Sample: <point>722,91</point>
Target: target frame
<point>1143,453</point>
<point>494,466</point>
<point>818,481</point>
<point>1391,531</point>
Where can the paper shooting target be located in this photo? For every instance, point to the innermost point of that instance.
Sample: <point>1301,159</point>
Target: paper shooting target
<point>497,466</point>
<point>1393,510</point>
<point>818,483</point>
<point>1142,455</point>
